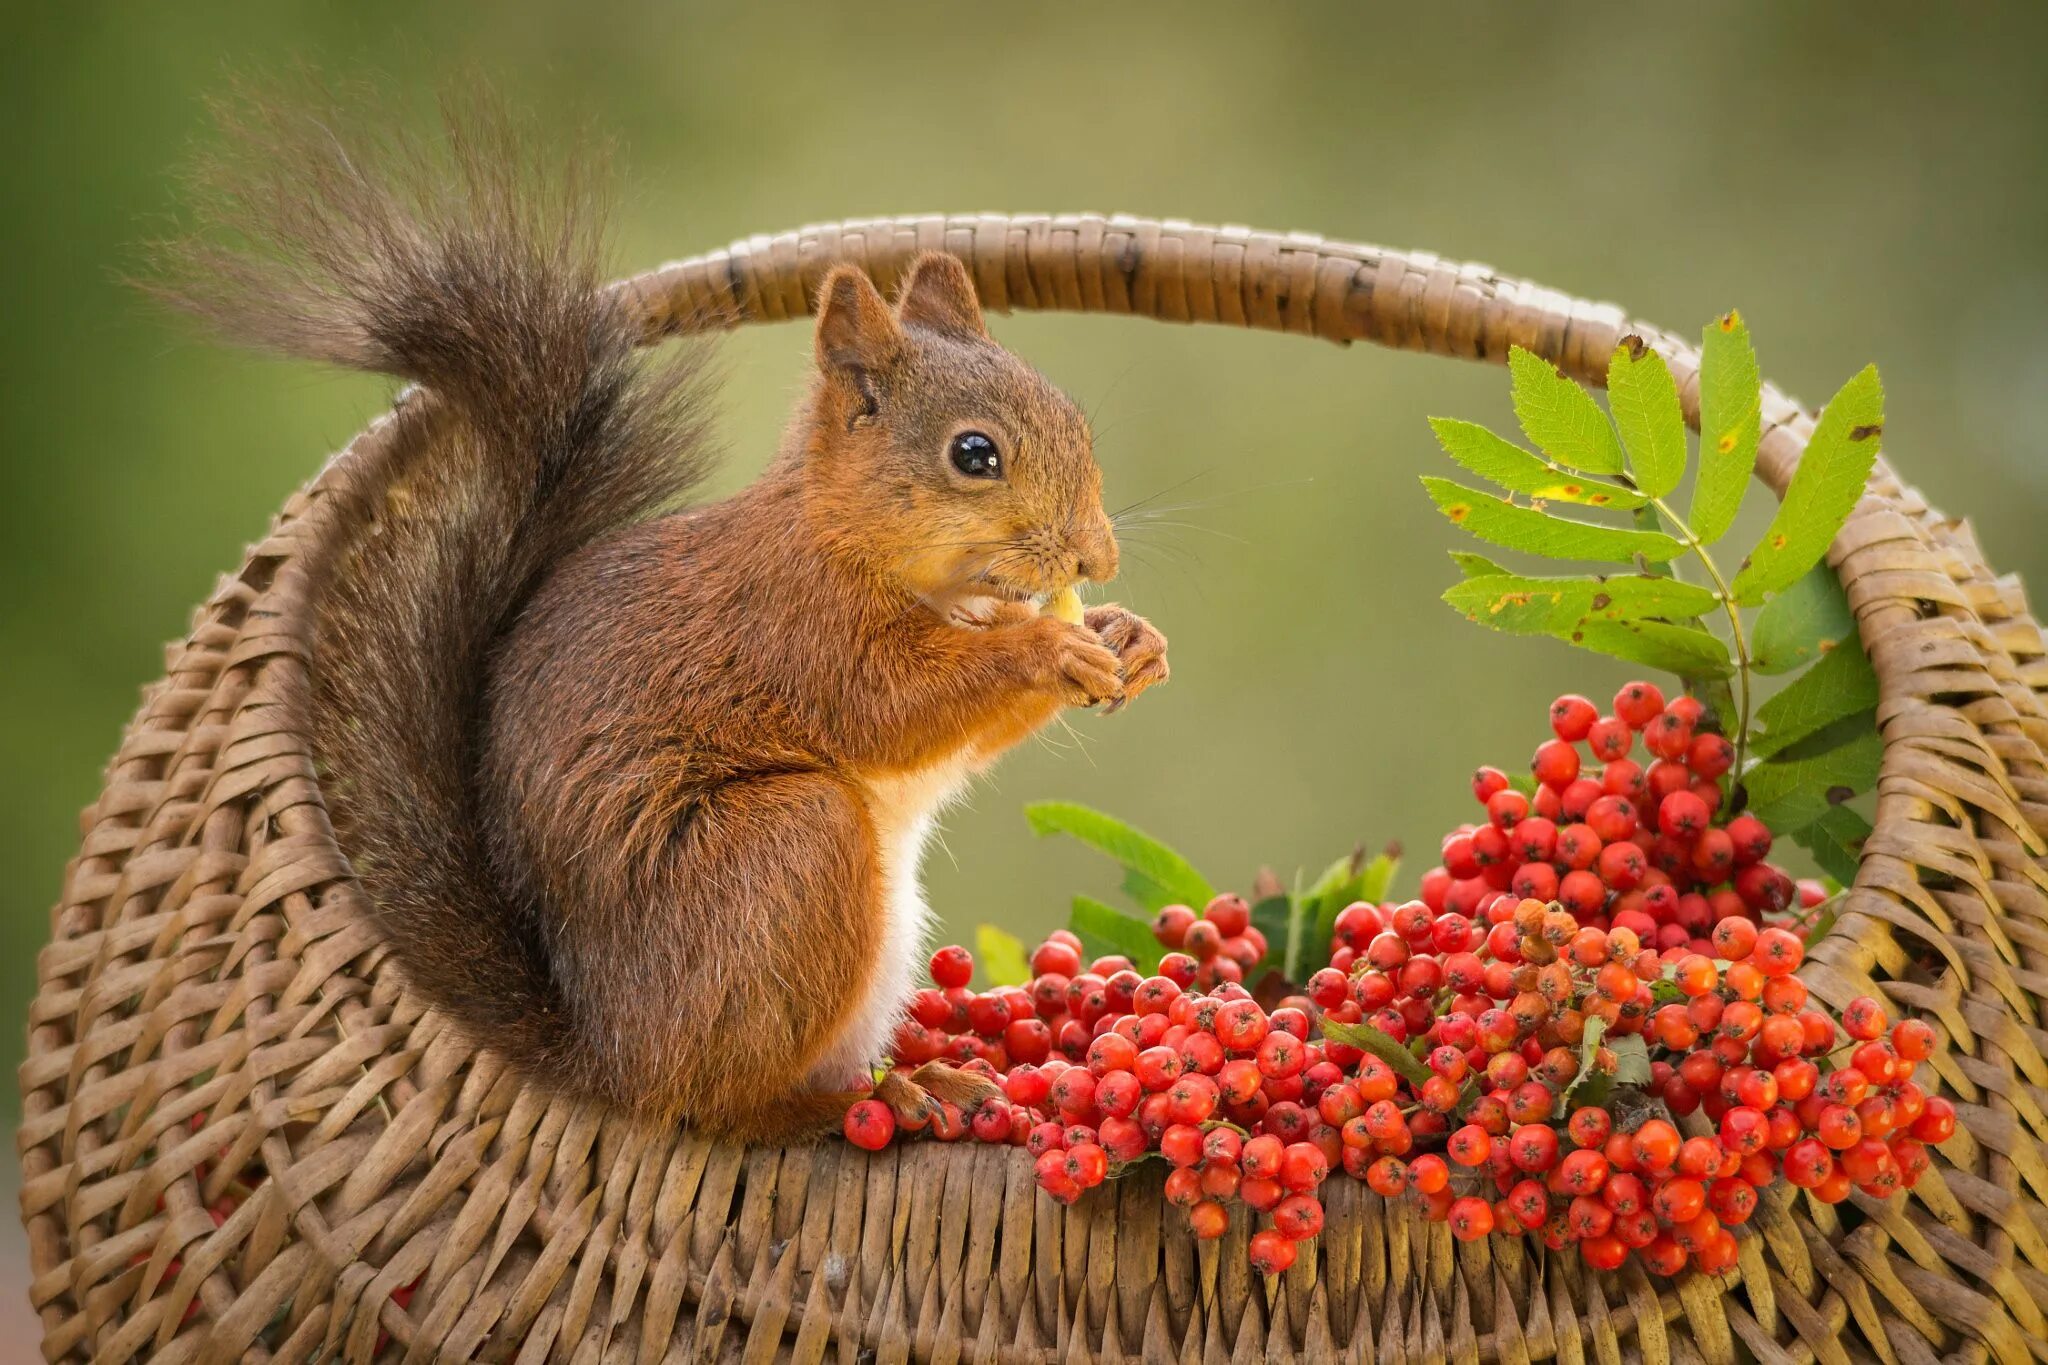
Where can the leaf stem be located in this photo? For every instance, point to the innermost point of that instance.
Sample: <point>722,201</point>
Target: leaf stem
<point>1741,641</point>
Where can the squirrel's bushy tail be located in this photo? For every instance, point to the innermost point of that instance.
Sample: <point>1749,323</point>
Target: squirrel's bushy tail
<point>473,271</point>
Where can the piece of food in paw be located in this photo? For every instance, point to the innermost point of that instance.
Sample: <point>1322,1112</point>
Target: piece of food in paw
<point>1065,605</point>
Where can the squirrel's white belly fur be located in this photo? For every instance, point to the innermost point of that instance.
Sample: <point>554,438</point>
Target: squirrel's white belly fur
<point>905,809</point>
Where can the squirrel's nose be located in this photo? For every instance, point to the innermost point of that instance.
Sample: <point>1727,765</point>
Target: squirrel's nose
<point>1095,554</point>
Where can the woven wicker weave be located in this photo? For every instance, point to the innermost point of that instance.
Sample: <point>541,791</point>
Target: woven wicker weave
<point>212,955</point>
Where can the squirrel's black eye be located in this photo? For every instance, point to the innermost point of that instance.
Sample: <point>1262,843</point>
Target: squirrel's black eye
<point>975,455</point>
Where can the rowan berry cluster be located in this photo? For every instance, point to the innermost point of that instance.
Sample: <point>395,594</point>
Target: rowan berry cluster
<point>1522,1052</point>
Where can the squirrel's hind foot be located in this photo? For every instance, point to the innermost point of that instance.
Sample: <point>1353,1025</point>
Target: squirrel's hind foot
<point>914,1098</point>
<point>968,1090</point>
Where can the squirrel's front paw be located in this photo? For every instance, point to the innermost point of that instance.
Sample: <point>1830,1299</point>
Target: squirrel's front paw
<point>1140,648</point>
<point>1085,670</point>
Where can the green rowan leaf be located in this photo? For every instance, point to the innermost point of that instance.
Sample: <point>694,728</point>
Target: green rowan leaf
<point>1687,651</point>
<point>1161,868</point>
<point>1542,533</point>
<point>1377,879</point>
<point>1561,417</point>
<point>1731,419</point>
<point>1516,470</point>
<point>1271,917</point>
<point>1475,566</point>
<point>1631,1060</point>
<point>1824,489</point>
<point>1336,888</point>
<point>1147,894</point>
<point>1000,956</point>
<point>1792,790</point>
<point>1644,402</point>
<point>1800,624</point>
<point>1841,685</point>
<point>1836,842</point>
<point>1104,929</point>
<point>1366,1038</point>
<point>1589,1049</point>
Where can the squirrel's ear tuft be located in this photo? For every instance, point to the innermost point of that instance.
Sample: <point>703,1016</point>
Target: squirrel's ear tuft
<point>856,331</point>
<point>938,293</point>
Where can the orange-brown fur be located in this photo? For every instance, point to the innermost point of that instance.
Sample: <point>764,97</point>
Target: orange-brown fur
<point>633,793</point>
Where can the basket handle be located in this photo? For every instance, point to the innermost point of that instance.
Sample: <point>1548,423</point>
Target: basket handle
<point>1177,271</point>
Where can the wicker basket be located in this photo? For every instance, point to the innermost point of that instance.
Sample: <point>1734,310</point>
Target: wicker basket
<point>211,956</point>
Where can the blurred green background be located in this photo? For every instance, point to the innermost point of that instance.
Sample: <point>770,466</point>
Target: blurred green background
<point>1866,182</point>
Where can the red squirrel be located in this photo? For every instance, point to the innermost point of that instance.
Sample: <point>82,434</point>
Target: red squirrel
<point>640,794</point>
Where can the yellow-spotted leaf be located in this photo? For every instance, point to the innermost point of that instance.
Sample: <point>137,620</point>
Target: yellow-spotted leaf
<point>1639,618</point>
<point>1542,533</point>
<point>1644,402</point>
<point>1496,458</point>
<point>1521,605</point>
<point>1731,417</point>
<point>1823,491</point>
<point>1560,417</point>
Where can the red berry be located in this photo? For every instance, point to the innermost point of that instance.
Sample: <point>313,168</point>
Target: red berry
<point>1298,1217</point>
<point>1638,703</point>
<point>1655,1145</point>
<point>1470,1145</point>
<point>1610,739</point>
<point>1241,1025</point>
<point>1621,866</point>
<point>1583,893</point>
<point>1056,958</point>
<point>1260,1193</point>
<point>1470,1219</point>
<point>1604,1252</point>
<point>1937,1123</point>
<point>1571,716</point>
<point>1207,1219</point>
<point>1229,913</point>
<point>1683,815</point>
<point>1533,1148</point>
<point>1271,1253</point>
<point>952,966</point>
<point>1303,1167</point>
<point>1192,1098</point>
<point>1388,1176</point>
<point>1170,926</point>
<point>870,1124</point>
<point>1764,888</point>
<point>1556,763</point>
<point>1752,839</point>
<point>1668,737</point>
<point>1914,1039</point>
<point>1710,755</point>
<point>1863,1018</point>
